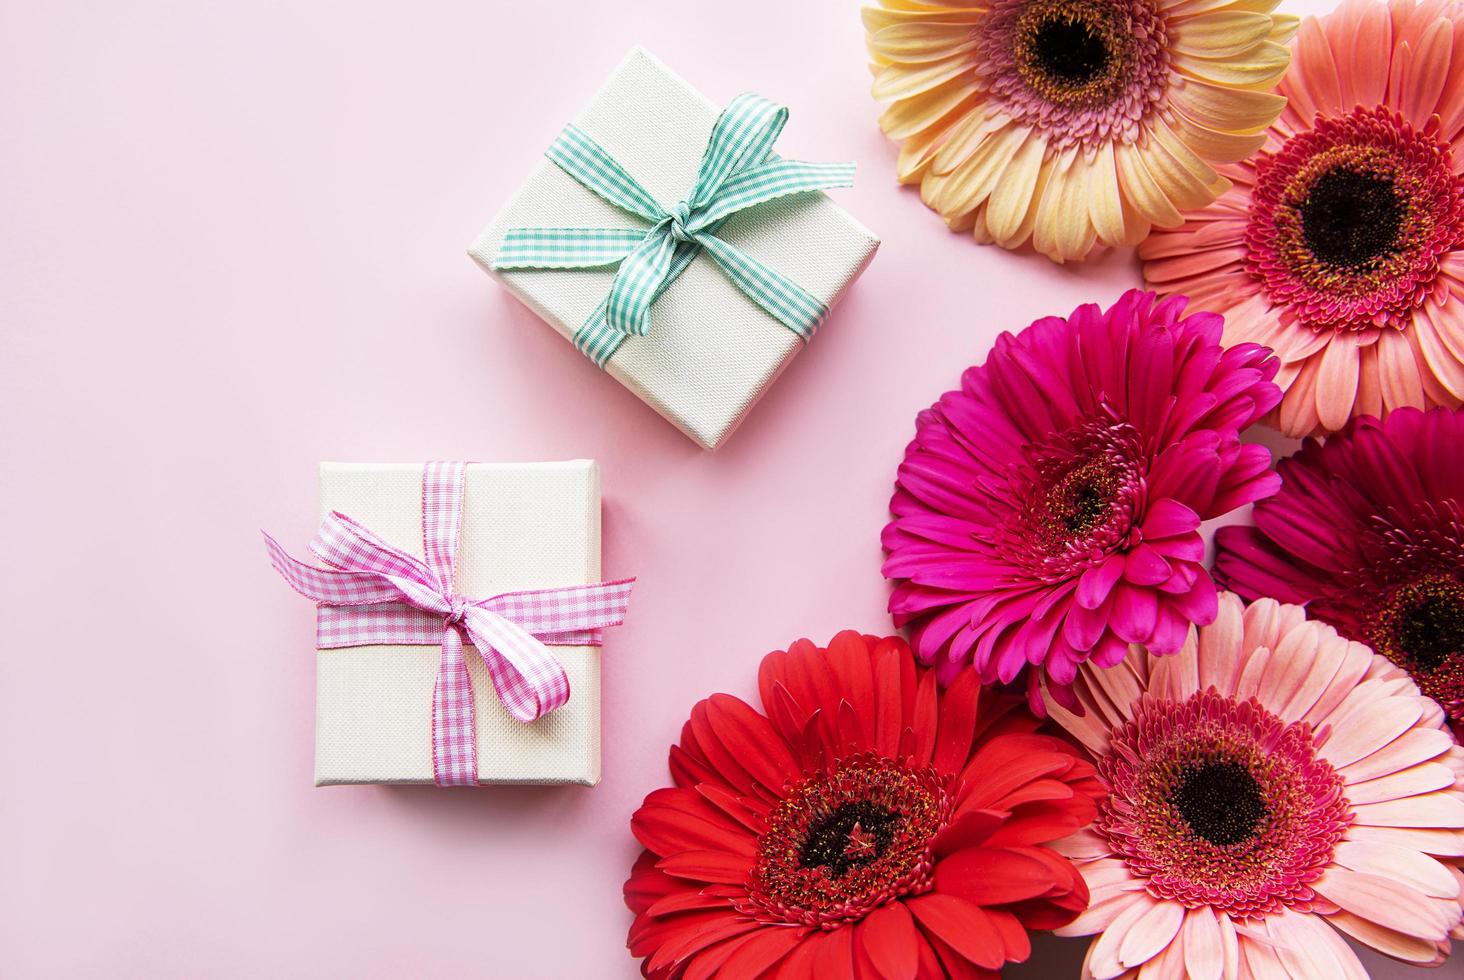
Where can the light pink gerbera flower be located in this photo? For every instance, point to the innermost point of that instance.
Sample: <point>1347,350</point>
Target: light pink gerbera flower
<point>1048,512</point>
<point>1341,245</point>
<point>1272,788</point>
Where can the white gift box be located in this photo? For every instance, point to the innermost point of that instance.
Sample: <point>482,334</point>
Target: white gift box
<point>524,526</point>
<point>711,352</point>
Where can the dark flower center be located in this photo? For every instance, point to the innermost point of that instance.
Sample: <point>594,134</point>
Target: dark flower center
<point>1083,500</point>
<point>1073,53</point>
<point>1351,218</point>
<point>845,841</point>
<point>1069,51</point>
<point>1079,492</point>
<point>854,834</point>
<point>1421,627</point>
<point>1433,630</point>
<point>1221,801</point>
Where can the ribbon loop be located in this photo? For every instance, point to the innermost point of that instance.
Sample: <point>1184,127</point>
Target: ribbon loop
<point>738,171</point>
<point>373,592</point>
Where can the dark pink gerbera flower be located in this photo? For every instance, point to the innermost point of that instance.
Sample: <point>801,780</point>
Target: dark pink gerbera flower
<point>1048,512</point>
<point>1367,532</point>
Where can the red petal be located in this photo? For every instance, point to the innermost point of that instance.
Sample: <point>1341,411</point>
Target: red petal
<point>1038,790</point>
<point>752,740</point>
<point>746,810</point>
<point>961,925</point>
<point>706,963</point>
<point>674,820</point>
<point>970,829</point>
<point>925,720</point>
<point>1038,823</point>
<point>890,706</point>
<point>809,678</point>
<point>689,900</point>
<point>785,712</point>
<point>721,867</point>
<point>646,884</point>
<point>683,935</point>
<point>836,955</point>
<point>723,761</point>
<point>994,876</point>
<point>850,739</point>
<point>1008,762</point>
<point>957,722</point>
<point>889,937</point>
<point>799,964</point>
<point>853,667</point>
<point>759,953</point>
<point>689,769</point>
<point>1014,938</point>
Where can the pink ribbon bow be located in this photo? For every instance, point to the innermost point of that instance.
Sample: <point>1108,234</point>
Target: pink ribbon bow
<point>373,593</point>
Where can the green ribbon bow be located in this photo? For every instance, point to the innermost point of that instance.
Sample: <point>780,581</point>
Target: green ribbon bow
<point>738,171</point>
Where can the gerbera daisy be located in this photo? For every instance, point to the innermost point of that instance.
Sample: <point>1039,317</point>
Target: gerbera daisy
<point>1339,247</point>
<point>865,823</point>
<point>1271,786</point>
<point>1048,512</point>
<point>1367,532</point>
<point>1071,122</point>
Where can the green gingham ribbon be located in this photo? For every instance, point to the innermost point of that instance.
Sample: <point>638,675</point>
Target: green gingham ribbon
<point>738,171</point>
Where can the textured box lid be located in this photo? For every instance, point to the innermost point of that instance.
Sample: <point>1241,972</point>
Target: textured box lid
<point>711,352</point>
<point>525,526</point>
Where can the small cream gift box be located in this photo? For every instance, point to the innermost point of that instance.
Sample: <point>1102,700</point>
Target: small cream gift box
<point>710,352</point>
<point>524,526</point>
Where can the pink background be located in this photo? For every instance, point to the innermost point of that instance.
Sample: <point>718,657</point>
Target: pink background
<point>232,245</point>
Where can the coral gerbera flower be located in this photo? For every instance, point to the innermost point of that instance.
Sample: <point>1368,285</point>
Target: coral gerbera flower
<point>1367,532</point>
<point>865,823</point>
<point>1071,122</point>
<point>1048,512</point>
<point>1341,247</point>
<point>1272,788</point>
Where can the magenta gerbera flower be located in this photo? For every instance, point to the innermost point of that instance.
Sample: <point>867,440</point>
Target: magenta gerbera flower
<point>1367,532</point>
<point>1048,512</point>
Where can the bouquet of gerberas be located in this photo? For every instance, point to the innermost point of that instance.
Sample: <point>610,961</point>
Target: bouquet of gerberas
<point>1087,734</point>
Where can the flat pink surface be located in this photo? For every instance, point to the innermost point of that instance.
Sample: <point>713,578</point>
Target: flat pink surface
<point>232,244</point>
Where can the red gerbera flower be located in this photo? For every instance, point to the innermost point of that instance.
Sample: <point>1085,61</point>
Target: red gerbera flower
<point>867,824</point>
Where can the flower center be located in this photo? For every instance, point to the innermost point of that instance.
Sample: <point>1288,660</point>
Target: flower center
<point>1079,71</point>
<point>843,842</point>
<point>1221,801</point>
<point>1062,53</point>
<point>1350,219</point>
<point>1081,499</point>
<point>1420,627</point>
<point>854,834</point>
<point>1218,802</point>
<point>1079,492</point>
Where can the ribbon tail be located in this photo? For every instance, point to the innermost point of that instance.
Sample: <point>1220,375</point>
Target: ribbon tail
<point>768,182</point>
<point>639,282</point>
<point>566,248</point>
<point>454,730</point>
<point>529,679</point>
<point>330,586</point>
<point>568,615</point>
<point>783,299</point>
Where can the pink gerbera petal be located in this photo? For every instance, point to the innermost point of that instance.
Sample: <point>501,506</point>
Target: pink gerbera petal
<point>1243,828</point>
<point>1338,245</point>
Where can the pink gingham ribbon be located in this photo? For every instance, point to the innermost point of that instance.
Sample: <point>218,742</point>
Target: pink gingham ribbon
<point>373,593</point>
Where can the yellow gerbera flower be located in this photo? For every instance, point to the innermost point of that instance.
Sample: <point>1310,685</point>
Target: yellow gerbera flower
<point>1073,122</point>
